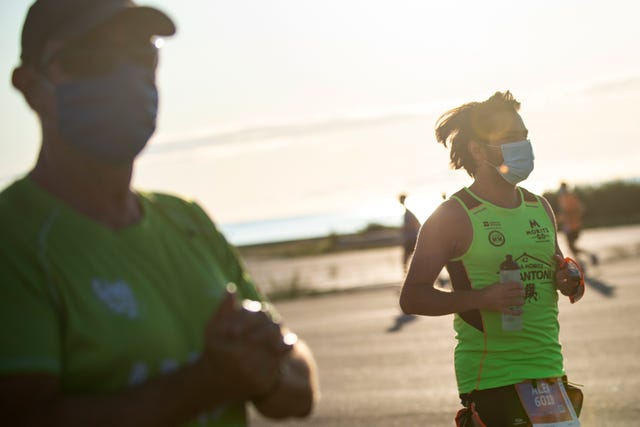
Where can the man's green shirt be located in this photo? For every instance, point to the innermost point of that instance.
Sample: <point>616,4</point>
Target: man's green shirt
<point>105,310</point>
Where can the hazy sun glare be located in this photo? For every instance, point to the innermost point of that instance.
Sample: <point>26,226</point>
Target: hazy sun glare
<point>285,108</point>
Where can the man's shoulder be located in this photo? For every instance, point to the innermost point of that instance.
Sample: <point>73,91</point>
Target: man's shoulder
<point>169,203</point>
<point>9,193</point>
<point>181,211</point>
<point>169,199</point>
<point>19,203</point>
<point>24,214</point>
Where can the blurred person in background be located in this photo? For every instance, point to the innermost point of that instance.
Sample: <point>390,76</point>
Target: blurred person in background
<point>114,308</point>
<point>410,229</point>
<point>508,352</point>
<point>409,235</point>
<point>571,211</point>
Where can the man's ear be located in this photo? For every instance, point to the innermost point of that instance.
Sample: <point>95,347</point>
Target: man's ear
<point>22,78</point>
<point>26,80</point>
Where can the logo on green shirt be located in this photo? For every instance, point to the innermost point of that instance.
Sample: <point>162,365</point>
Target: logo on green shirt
<point>117,296</point>
<point>496,238</point>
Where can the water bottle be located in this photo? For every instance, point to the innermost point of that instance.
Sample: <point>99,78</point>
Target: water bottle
<point>510,272</point>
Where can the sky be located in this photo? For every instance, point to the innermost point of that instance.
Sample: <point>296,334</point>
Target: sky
<point>274,109</point>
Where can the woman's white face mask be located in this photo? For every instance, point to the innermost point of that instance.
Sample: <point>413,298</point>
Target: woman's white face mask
<point>517,162</point>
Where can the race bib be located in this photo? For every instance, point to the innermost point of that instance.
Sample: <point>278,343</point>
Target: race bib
<point>547,404</point>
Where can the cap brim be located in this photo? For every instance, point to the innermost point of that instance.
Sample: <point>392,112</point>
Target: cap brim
<point>142,19</point>
<point>148,19</point>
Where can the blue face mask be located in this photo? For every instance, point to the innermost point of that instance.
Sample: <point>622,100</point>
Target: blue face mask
<point>517,162</point>
<point>109,117</point>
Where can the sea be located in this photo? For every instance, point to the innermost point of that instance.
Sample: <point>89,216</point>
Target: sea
<point>303,227</point>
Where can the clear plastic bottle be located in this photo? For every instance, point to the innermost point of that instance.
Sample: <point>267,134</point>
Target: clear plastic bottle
<point>510,272</point>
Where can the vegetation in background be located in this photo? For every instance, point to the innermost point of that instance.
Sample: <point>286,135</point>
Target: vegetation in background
<point>292,248</point>
<point>293,287</point>
<point>373,226</point>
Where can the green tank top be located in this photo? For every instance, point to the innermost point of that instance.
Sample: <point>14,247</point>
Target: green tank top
<point>485,355</point>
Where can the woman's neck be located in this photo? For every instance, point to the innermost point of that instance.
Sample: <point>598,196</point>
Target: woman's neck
<point>490,186</point>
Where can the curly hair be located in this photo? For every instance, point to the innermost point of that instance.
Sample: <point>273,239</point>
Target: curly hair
<point>472,121</point>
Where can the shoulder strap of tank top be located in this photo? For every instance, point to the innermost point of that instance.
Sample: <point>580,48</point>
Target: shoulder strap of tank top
<point>467,200</point>
<point>529,197</point>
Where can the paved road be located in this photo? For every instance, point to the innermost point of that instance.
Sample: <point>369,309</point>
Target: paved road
<point>373,375</point>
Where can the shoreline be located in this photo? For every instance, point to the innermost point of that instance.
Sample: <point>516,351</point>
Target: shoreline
<point>378,267</point>
<point>376,237</point>
<point>379,237</point>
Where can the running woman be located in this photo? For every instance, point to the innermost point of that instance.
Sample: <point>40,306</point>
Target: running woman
<point>501,374</point>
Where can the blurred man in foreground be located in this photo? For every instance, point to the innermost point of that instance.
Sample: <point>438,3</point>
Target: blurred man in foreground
<point>114,308</point>
<point>508,357</point>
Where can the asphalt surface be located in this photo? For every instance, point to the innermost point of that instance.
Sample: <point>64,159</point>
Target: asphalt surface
<point>379,369</point>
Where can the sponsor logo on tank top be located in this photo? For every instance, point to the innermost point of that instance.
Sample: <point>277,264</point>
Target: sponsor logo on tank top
<point>496,238</point>
<point>534,270</point>
<point>491,224</point>
<point>538,233</point>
